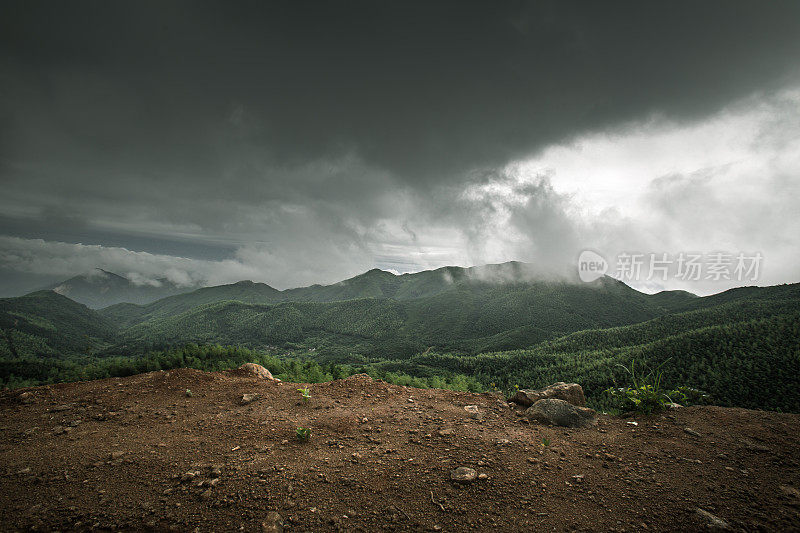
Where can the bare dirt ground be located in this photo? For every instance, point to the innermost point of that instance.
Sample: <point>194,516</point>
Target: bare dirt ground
<point>140,453</point>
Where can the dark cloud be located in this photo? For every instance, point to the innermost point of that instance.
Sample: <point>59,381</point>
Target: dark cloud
<point>423,89</point>
<point>205,129</point>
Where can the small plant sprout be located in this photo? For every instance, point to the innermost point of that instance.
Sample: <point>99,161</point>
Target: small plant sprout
<point>302,434</point>
<point>545,442</point>
<point>305,394</point>
<point>189,393</point>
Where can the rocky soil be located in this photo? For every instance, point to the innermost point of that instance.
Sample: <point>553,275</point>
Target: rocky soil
<point>187,451</point>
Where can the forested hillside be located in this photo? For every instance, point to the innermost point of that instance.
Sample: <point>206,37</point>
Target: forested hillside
<point>47,324</point>
<point>750,363</point>
<point>491,324</point>
<point>470,316</point>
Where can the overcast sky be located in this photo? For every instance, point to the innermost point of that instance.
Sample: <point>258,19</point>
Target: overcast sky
<point>306,142</point>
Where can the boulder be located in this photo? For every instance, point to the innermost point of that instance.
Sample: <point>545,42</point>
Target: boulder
<point>256,370</point>
<point>569,392</point>
<point>562,413</point>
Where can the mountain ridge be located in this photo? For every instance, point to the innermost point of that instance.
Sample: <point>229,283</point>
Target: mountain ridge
<point>101,288</point>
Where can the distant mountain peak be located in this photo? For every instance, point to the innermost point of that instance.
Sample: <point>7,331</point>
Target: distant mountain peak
<point>100,288</point>
<point>377,271</point>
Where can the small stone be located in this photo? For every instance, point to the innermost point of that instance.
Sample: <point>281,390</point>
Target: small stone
<point>26,397</point>
<point>691,432</point>
<point>272,523</point>
<point>791,493</point>
<point>473,411</point>
<point>116,455</point>
<point>445,432</point>
<point>248,398</point>
<point>713,522</point>
<point>483,476</point>
<point>188,476</point>
<point>463,474</point>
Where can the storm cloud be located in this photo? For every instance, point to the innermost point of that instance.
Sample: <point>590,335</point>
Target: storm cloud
<point>303,142</point>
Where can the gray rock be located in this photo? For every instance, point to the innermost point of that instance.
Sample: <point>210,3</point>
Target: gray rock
<point>690,431</point>
<point>791,493</point>
<point>26,397</point>
<point>562,413</point>
<point>713,522</point>
<point>569,392</point>
<point>248,398</point>
<point>474,412</point>
<point>463,474</point>
<point>272,523</point>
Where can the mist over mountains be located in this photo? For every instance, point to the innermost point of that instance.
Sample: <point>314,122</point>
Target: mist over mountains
<point>100,288</point>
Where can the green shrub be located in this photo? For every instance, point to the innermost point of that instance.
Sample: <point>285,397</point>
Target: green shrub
<point>646,392</point>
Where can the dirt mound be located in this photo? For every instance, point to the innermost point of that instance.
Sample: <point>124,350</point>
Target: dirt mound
<point>178,451</point>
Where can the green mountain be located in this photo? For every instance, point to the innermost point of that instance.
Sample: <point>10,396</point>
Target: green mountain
<point>497,324</point>
<point>100,288</point>
<point>126,314</point>
<point>46,323</point>
<point>372,284</point>
<point>466,316</point>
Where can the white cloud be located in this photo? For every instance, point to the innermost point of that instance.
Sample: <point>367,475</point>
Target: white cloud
<point>727,183</point>
<point>37,256</point>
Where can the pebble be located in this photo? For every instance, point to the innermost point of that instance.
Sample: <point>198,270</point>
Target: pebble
<point>463,474</point>
<point>691,432</point>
